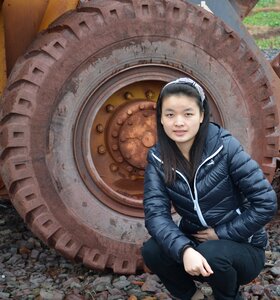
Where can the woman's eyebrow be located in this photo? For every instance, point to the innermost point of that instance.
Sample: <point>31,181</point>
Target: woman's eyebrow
<point>171,109</point>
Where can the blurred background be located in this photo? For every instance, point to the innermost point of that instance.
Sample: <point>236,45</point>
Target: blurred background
<point>264,24</point>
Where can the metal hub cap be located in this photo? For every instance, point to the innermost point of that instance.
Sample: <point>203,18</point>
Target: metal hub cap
<point>120,135</point>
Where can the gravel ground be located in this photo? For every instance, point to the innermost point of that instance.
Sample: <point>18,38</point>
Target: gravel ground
<point>30,270</point>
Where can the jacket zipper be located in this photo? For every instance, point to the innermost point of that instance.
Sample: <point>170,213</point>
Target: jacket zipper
<point>195,196</point>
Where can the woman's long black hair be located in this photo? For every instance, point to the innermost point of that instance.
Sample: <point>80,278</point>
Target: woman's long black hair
<point>172,157</point>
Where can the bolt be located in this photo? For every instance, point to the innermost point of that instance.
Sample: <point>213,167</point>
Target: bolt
<point>133,177</point>
<point>115,134</point>
<point>145,114</point>
<point>141,106</point>
<point>115,147</point>
<point>114,167</point>
<point>109,108</point>
<point>99,128</point>
<point>101,149</point>
<point>154,106</point>
<point>129,122</point>
<point>119,121</point>
<point>128,96</point>
<point>129,168</point>
<point>141,173</point>
<point>150,94</point>
<point>129,112</point>
<point>128,156</point>
<point>120,159</point>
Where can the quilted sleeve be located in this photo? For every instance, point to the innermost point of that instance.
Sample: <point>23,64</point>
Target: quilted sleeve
<point>249,178</point>
<point>158,219</point>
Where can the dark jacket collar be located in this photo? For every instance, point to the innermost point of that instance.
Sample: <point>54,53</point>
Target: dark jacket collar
<point>212,143</point>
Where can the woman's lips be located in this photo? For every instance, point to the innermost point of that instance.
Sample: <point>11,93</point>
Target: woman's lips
<point>179,132</point>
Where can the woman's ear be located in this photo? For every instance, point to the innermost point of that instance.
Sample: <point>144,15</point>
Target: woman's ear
<point>201,117</point>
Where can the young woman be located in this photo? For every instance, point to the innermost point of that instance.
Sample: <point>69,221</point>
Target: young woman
<point>218,190</point>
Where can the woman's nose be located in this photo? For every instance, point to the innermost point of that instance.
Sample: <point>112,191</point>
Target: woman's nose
<point>179,121</point>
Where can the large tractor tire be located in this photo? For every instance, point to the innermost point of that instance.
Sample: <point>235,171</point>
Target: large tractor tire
<point>78,118</point>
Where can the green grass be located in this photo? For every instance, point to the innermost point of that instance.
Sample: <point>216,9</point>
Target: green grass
<point>271,18</point>
<point>266,3</point>
<point>271,43</point>
<point>265,19</point>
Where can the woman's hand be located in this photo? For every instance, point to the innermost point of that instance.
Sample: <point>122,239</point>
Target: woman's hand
<point>195,264</point>
<point>206,235</point>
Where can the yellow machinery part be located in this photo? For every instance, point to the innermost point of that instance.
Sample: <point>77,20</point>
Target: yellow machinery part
<point>22,20</point>
<point>55,9</point>
<point>21,24</point>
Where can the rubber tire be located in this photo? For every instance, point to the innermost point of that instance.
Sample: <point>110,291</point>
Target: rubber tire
<point>82,51</point>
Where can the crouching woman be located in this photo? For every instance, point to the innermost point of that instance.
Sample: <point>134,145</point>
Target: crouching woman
<point>219,191</point>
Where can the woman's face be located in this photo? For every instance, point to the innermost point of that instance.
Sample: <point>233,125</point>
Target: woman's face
<point>181,118</point>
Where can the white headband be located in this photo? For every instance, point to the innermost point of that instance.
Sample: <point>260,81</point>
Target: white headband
<point>190,82</point>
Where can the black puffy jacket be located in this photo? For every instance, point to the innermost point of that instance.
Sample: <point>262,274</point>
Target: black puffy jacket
<point>230,194</point>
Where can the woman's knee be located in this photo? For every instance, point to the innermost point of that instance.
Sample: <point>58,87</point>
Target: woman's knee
<point>150,252</point>
<point>215,253</point>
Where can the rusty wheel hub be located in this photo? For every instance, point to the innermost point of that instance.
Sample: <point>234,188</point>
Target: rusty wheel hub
<point>121,132</point>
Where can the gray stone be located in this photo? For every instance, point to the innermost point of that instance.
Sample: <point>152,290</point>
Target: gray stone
<point>14,259</point>
<point>275,271</point>
<point>121,283</point>
<point>4,295</point>
<point>206,290</point>
<point>150,285</point>
<point>70,282</point>
<point>34,254</point>
<point>51,295</point>
<point>102,283</point>
<point>257,289</point>
<point>116,297</point>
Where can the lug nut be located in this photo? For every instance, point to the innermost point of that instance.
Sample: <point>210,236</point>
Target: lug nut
<point>115,147</point>
<point>129,168</point>
<point>114,167</point>
<point>119,121</point>
<point>141,173</point>
<point>128,96</point>
<point>133,177</point>
<point>115,134</point>
<point>141,106</point>
<point>99,128</point>
<point>109,108</point>
<point>150,94</point>
<point>120,159</point>
<point>101,149</point>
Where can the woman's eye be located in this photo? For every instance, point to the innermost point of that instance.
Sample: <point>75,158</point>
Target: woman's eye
<point>169,115</point>
<point>189,114</point>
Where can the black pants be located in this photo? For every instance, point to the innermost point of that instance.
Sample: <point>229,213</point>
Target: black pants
<point>233,264</point>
